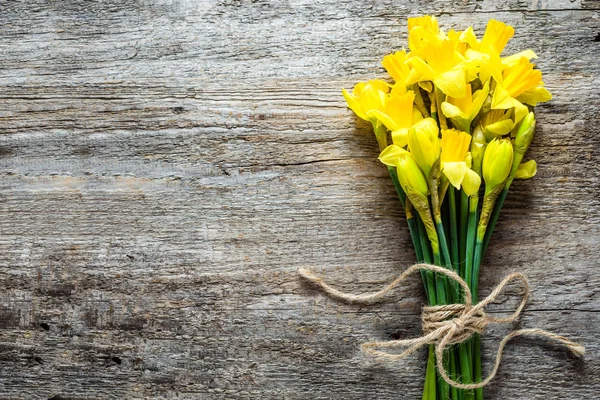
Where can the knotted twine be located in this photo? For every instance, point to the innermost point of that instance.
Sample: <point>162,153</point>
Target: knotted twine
<point>446,325</point>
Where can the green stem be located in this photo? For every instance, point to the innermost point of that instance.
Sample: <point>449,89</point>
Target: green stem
<point>494,218</point>
<point>464,217</point>
<point>465,368</point>
<point>429,392</point>
<point>418,236</point>
<point>477,365</point>
<point>470,245</point>
<point>453,230</point>
<point>453,288</point>
<point>397,186</point>
<point>451,360</point>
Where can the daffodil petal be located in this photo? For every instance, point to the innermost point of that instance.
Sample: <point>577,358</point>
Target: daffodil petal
<point>534,96</point>
<point>391,154</point>
<point>451,111</point>
<point>513,59</point>
<point>455,172</point>
<point>383,118</point>
<point>452,83</point>
<point>502,100</point>
<point>400,137</point>
<point>479,98</point>
<point>471,182</point>
<point>521,111</point>
<point>499,128</point>
<point>354,104</point>
<point>526,170</point>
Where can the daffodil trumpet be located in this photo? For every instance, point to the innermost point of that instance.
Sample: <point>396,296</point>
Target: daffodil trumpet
<point>453,126</point>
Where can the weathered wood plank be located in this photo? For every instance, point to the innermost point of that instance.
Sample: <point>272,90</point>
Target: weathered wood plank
<point>167,166</point>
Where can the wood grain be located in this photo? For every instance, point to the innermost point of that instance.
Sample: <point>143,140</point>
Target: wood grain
<point>166,166</point>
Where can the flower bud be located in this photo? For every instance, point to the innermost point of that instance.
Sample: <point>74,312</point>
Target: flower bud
<point>477,149</point>
<point>410,176</point>
<point>424,144</point>
<point>497,163</point>
<point>525,133</point>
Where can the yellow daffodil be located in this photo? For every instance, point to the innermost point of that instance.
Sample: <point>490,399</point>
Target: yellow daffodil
<point>398,115</point>
<point>462,111</point>
<point>422,30</point>
<point>487,50</point>
<point>456,160</point>
<point>497,163</point>
<point>367,96</point>
<point>441,64</point>
<point>520,84</point>
<point>424,144</point>
<point>395,64</point>
<point>496,36</point>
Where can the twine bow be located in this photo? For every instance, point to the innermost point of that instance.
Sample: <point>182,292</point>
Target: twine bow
<point>446,325</point>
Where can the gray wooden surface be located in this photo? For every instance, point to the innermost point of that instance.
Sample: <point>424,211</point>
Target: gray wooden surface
<point>166,166</point>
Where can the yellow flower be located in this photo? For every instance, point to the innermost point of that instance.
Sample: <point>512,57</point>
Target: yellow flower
<point>488,50</point>
<point>456,160</point>
<point>367,96</point>
<point>496,36</point>
<point>462,111</point>
<point>424,144</point>
<point>422,30</point>
<point>497,163</point>
<point>398,114</point>
<point>443,65</point>
<point>395,65</point>
<point>520,84</point>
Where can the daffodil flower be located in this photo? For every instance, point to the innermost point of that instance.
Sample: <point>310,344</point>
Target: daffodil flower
<point>456,161</point>
<point>462,111</point>
<point>398,115</point>
<point>441,64</point>
<point>487,50</point>
<point>422,30</point>
<point>520,84</point>
<point>395,64</point>
<point>367,96</point>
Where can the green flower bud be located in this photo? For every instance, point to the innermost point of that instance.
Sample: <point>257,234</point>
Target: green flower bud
<point>525,133</point>
<point>497,163</point>
<point>477,149</point>
<point>410,176</point>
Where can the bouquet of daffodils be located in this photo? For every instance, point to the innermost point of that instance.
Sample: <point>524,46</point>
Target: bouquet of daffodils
<point>453,129</point>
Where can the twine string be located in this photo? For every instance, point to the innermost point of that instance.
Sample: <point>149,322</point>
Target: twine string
<point>445,325</point>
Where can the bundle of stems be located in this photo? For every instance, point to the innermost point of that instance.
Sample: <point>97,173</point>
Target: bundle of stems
<point>459,120</point>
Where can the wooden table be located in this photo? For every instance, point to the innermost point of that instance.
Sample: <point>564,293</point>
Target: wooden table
<point>168,165</point>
